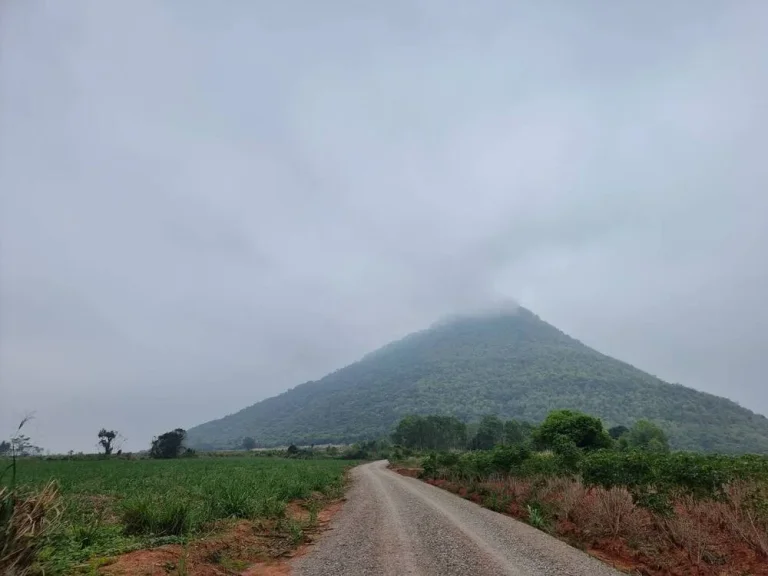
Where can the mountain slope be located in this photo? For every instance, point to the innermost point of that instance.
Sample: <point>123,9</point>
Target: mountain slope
<point>511,364</point>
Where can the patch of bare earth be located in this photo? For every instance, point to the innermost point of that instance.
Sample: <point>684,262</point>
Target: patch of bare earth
<point>244,548</point>
<point>410,472</point>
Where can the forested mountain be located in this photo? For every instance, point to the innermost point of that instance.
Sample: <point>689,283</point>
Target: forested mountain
<point>509,363</point>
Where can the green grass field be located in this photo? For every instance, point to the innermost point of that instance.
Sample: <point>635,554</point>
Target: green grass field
<point>113,506</point>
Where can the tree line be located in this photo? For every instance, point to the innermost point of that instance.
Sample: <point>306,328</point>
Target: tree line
<point>167,445</point>
<point>560,431</point>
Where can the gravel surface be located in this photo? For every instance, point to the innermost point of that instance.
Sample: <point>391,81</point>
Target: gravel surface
<point>393,525</point>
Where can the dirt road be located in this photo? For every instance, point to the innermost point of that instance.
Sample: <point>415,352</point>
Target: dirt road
<point>396,526</point>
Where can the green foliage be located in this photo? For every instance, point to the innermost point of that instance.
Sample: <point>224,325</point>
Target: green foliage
<point>645,435</point>
<point>651,474</point>
<point>476,464</point>
<point>561,427</point>
<point>546,464</point>
<point>430,432</point>
<point>617,432</point>
<point>371,450</point>
<point>701,475</point>
<point>151,516</point>
<point>567,453</point>
<point>168,445</point>
<point>513,365</point>
<point>489,433</point>
<point>504,459</point>
<point>536,518</point>
<point>248,443</point>
<point>516,432</point>
<point>114,505</point>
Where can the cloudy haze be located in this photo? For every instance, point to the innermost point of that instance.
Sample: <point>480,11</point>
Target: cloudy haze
<point>205,203</point>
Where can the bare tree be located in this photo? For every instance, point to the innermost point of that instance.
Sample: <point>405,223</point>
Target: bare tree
<point>21,445</point>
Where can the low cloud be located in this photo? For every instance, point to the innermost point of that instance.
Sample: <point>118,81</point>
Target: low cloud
<point>250,197</point>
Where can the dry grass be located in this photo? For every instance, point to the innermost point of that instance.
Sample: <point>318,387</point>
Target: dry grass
<point>688,528</point>
<point>24,519</point>
<point>612,513</point>
<point>571,503</point>
<point>745,514</point>
<point>723,536</point>
<point>516,488</point>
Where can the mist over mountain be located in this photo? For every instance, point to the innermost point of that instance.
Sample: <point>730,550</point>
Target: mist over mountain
<point>501,360</point>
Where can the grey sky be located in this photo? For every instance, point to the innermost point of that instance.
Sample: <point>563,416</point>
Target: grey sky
<point>204,203</point>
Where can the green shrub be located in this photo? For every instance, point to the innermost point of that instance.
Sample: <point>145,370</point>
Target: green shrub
<point>542,464</point>
<point>157,518</point>
<point>505,458</point>
<point>700,475</point>
<point>585,431</point>
<point>232,499</point>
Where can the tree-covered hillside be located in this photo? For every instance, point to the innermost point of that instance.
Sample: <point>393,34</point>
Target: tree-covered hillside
<point>511,364</point>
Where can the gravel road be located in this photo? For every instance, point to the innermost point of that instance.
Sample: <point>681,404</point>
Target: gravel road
<point>393,525</point>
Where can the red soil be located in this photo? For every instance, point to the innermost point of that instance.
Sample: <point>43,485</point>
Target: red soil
<point>244,548</point>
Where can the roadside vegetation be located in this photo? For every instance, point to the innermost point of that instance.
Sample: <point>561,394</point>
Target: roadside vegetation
<point>621,494</point>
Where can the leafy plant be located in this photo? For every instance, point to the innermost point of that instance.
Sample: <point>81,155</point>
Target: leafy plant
<point>145,516</point>
<point>536,518</point>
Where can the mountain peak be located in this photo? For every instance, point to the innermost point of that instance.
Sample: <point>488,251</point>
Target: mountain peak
<point>500,359</point>
<point>498,309</point>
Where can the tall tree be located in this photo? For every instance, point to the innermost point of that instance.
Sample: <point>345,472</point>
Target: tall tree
<point>248,443</point>
<point>489,433</point>
<point>21,445</point>
<point>168,445</point>
<point>106,440</point>
<point>430,432</point>
<point>583,430</point>
<point>516,432</point>
<point>647,436</point>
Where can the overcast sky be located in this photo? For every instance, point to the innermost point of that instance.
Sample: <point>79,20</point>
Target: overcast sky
<point>205,203</point>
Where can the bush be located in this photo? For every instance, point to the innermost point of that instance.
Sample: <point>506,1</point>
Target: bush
<point>157,518</point>
<point>645,435</point>
<point>608,469</point>
<point>701,475</point>
<point>545,464</point>
<point>476,464</point>
<point>568,454</point>
<point>505,458</point>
